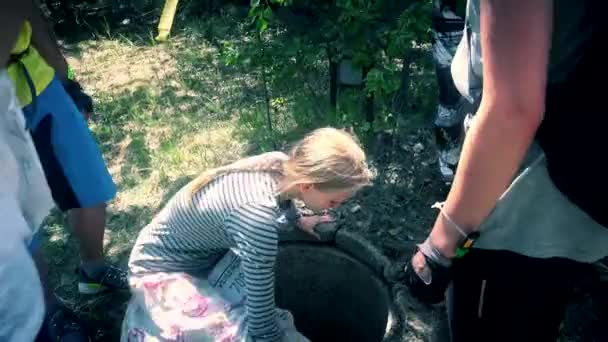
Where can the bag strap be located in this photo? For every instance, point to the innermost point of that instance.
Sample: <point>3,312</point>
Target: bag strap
<point>17,59</point>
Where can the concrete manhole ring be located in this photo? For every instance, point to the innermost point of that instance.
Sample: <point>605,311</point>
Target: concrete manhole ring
<point>334,294</point>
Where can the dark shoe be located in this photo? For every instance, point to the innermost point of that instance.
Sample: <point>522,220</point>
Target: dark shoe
<point>112,278</point>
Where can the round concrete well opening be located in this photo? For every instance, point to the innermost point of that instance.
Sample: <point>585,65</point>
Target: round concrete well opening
<point>332,296</point>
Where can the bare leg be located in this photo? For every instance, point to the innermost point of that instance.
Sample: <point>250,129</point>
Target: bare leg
<point>95,274</point>
<point>89,226</point>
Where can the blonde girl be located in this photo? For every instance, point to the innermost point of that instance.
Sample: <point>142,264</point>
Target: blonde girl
<point>235,208</point>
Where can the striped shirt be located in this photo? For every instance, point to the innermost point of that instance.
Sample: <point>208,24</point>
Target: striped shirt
<point>237,211</point>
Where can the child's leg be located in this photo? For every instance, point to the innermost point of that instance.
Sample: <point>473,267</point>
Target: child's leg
<point>79,180</point>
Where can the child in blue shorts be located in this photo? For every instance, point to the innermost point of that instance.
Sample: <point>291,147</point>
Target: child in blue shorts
<point>54,105</point>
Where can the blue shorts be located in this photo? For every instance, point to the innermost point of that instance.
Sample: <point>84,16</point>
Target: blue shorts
<point>73,164</point>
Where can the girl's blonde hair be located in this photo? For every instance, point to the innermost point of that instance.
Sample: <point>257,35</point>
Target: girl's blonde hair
<point>329,158</point>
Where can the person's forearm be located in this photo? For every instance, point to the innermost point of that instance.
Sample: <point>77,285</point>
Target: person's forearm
<point>45,42</point>
<point>492,153</point>
<point>12,16</point>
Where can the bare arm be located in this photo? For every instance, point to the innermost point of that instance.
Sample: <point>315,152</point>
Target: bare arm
<point>12,16</point>
<point>515,41</point>
<point>45,42</point>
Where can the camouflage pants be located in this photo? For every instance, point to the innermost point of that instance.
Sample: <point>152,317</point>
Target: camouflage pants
<point>452,108</point>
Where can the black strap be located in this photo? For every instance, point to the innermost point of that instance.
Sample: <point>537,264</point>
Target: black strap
<point>17,59</point>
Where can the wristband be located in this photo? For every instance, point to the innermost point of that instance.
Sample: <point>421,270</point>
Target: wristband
<point>70,73</point>
<point>432,253</point>
<point>469,239</point>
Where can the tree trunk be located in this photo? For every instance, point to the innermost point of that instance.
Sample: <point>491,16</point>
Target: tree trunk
<point>333,84</point>
<point>401,98</point>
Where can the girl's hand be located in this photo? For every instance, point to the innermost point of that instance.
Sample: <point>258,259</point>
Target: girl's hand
<point>426,279</point>
<point>421,268</point>
<point>308,223</point>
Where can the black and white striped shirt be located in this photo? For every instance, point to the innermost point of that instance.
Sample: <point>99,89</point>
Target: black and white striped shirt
<point>237,210</point>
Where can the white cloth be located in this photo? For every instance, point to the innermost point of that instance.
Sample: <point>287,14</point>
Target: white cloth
<point>180,307</point>
<point>25,201</point>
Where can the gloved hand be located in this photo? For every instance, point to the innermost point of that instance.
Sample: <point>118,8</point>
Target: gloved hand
<point>83,102</point>
<point>428,274</point>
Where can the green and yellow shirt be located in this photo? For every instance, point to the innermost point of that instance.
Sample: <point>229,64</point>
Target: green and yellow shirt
<point>40,72</point>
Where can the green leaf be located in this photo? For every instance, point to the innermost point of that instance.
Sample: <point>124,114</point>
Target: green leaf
<point>255,3</point>
<point>253,11</point>
<point>262,24</point>
<point>267,14</point>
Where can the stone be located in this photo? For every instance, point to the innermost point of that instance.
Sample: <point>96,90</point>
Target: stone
<point>362,249</point>
<point>394,231</point>
<point>326,231</point>
<point>418,319</point>
<point>399,311</point>
<point>418,148</point>
<point>394,272</point>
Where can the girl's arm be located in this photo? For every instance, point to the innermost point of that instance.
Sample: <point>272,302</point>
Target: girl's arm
<point>254,229</point>
<point>515,43</point>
